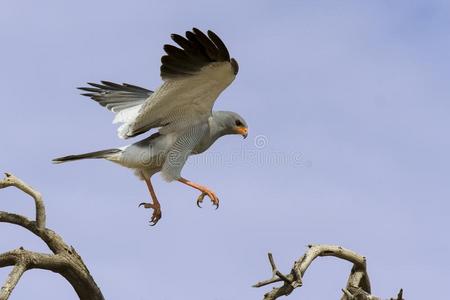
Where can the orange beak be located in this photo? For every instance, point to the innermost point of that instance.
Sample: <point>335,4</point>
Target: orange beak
<point>242,131</point>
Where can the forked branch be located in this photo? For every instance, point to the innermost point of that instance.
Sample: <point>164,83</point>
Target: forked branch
<point>358,284</point>
<point>64,260</point>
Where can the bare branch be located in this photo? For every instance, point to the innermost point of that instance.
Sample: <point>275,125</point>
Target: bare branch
<point>399,295</point>
<point>33,260</point>
<point>11,180</point>
<point>358,284</point>
<point>12,280</point>
<point>276,274</point>
<point>272,262</point>
<point>53,240</point>
<point>64,260</point>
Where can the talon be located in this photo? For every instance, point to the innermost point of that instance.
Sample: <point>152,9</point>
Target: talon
<point>215,202</point>
<point>200,199</point>
<point>145,205</point>
<point>156,216</point>
<point>205,192</point>
<point>211,195</point>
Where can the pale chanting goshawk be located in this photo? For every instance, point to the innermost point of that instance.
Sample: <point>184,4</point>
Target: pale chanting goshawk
<point>194,75</point>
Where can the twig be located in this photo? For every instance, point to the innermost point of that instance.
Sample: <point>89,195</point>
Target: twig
<point>11,180</point>
<point>399,295</point>
<point>275,274</point>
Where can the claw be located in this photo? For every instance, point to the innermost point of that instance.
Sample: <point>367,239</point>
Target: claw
<point>156,216</point>
<point>200,199</point>
<point>205,192</point>
<point>215,201</point>
<point>153,220</point>
<point>212,196</point>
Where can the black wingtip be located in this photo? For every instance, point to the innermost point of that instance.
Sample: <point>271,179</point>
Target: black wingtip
<point>235,66</point>
<point>222,49</point>
<point>197,50</point>
<point>89,89</point>
<point>88,95</point>
<point>110,84</point>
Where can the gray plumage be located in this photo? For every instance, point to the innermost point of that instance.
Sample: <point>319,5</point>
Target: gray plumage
<point>180,111</point>
<point>96,154</point>
<point>167,152</point>
<point>116,97</point>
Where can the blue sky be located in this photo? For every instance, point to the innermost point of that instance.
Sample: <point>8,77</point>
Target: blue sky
<point>347,104</point>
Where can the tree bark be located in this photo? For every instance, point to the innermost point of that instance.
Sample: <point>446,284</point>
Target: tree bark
<point>358,284</point>
<point>64,260</point>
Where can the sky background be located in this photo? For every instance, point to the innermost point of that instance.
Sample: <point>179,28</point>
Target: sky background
<point>348,108</point>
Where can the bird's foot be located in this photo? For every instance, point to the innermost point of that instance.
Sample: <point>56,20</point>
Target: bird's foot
<point>211,195</point>
<point>156,216</point>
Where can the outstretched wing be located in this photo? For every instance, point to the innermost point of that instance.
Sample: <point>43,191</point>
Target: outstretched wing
<point>194,75</point>
<point>124,100</point>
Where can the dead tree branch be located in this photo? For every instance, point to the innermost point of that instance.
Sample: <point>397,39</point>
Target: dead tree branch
<point>64,260</point>
<point>358,284</point>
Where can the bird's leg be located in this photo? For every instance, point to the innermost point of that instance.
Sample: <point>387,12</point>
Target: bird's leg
<point>205,192</point>
<point>154,205</point>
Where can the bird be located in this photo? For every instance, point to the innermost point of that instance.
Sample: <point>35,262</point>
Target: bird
<point>179,114</point>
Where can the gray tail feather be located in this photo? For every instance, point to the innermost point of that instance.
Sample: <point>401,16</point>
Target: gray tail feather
<point>96,154</point>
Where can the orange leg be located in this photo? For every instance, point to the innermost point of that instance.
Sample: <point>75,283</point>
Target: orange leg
<point>156,216</point>
<point>205,192</point>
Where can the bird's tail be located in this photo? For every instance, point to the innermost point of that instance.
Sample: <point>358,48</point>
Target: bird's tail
<point>97,154</point>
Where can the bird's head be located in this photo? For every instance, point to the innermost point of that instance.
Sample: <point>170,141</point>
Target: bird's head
<point>231,123</point>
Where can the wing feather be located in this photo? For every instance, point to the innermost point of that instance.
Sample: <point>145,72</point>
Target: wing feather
<point>118,98</point>
<point>223,53</point>
<point>194,76</point>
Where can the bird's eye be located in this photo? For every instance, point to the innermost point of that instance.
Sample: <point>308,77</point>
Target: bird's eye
<point>239,123</point>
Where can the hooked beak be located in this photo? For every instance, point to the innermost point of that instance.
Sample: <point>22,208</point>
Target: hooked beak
<point>242,131</point>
